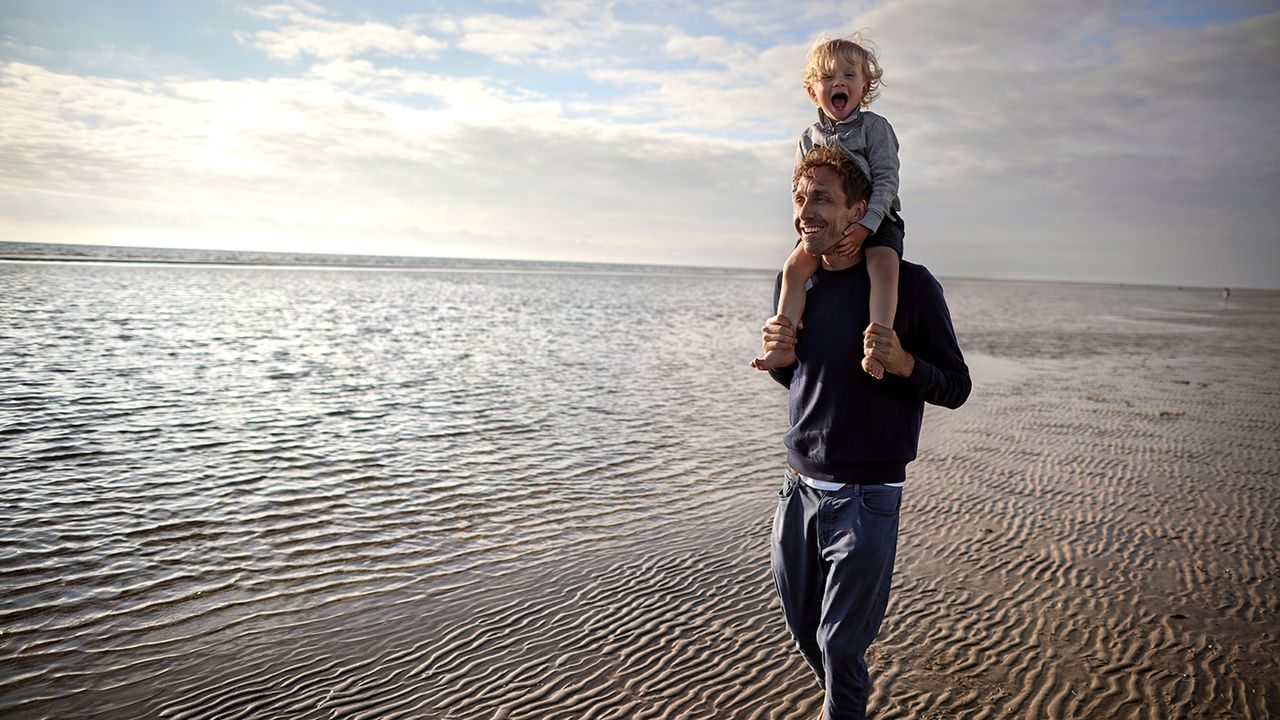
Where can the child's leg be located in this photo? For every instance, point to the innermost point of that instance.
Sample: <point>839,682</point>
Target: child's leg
<point>882,266</point>
<point>795,273</point>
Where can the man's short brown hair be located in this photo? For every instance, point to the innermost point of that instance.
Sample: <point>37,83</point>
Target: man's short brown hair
<point>854,182</point>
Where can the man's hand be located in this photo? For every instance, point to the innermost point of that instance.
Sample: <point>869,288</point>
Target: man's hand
<point>881,342</point>
<point>851,243</point>
<point>777,344</point>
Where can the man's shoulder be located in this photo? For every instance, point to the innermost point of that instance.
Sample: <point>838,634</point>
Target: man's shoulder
<point>917,278</point>
<point>906,267</point>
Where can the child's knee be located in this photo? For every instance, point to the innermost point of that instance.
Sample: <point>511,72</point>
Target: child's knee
<point>800,264</point>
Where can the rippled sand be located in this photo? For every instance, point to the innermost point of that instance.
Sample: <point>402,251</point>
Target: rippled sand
<point>1093,535</point>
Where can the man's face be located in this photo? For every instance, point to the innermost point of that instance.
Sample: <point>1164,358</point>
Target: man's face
<point>820,210</point>
<point>839,91</point>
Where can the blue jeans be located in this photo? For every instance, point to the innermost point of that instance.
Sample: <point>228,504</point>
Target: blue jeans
<point>833,556</point>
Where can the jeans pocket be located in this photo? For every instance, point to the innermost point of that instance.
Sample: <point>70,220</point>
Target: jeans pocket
<point>881,499</point>
<point>789,482</point>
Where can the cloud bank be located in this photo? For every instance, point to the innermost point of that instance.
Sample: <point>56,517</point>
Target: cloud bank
<point>1066,140</point>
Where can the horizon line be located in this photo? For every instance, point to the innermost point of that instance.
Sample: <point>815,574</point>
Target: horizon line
<point>271,258</point>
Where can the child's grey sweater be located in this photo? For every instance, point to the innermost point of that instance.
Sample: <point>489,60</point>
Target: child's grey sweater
<point>869,140</point>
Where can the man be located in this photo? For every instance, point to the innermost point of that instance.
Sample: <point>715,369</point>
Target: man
<point>835,533</point>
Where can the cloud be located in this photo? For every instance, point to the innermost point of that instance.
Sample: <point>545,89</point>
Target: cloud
<point>773,19</point>
<point>1065,139</point>
<point>518,40</point>
<point>1072,117</point>
<point>314,156</point>
<point>304,33</point>
<point>558,35</point>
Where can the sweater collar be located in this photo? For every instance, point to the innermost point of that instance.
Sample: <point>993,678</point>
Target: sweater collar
<point>827,123</point>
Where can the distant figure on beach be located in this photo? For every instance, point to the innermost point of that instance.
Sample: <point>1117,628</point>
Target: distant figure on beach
<point>835,533</point>
<point>842,77</point>
<point>1226,296</point>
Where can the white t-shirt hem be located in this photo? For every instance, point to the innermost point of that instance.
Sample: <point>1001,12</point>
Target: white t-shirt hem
<point>831,486</point>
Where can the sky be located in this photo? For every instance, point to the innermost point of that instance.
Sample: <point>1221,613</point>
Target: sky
<point>1079,140</point>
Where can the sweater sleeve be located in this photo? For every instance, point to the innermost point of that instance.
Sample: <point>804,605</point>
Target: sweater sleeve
<point>882,157</point>
<point>803,146</point>
<point>782,375</point>
<point>940,376</point>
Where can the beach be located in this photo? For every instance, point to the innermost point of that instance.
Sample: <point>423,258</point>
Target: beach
<point>235,492</point>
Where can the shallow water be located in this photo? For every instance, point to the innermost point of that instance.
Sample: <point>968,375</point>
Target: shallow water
<point>273,492</point>
<point>194,456</point>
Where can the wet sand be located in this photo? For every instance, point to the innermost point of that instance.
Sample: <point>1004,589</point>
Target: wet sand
<point>1090,537</point>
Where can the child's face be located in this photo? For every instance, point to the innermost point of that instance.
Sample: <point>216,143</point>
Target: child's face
<point>839,90</point>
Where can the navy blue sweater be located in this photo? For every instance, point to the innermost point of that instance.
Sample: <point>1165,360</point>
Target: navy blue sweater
<point>846,426</point>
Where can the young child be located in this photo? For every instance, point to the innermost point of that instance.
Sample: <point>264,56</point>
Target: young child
<point>842,77</point>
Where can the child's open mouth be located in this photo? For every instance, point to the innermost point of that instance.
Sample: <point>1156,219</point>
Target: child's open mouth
<point>839,101</point>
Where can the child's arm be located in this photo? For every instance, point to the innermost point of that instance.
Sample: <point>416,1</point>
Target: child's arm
<point>882,159</point>
<point>800,266</point>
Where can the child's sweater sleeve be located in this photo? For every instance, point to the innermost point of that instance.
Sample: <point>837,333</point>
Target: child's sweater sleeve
<point>803,147</point>
<point>882,156</point>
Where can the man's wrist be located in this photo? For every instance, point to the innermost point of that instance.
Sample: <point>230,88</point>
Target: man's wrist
<point>910,368</point>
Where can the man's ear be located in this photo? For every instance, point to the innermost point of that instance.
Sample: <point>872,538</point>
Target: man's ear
<point>858,210</point>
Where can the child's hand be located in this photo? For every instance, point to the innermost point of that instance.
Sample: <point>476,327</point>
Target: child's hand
<point>854,235</point>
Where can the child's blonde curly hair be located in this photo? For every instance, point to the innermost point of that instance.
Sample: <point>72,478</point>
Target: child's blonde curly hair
<point>822,59</point>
